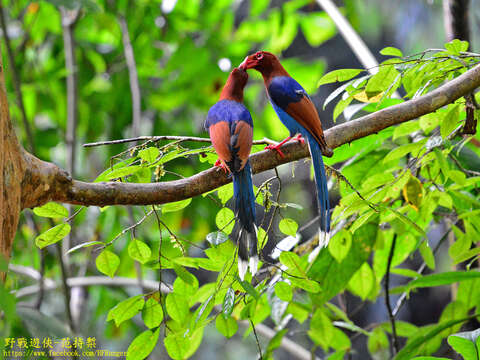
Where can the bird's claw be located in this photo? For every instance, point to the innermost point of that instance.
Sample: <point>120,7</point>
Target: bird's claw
<point>221,165</point>
<point>276,148</point>
<point>300,139</point>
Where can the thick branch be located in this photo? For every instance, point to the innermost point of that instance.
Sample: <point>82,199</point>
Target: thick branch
<point>116,193</point>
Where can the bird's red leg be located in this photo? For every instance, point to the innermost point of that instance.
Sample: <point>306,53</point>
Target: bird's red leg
<point>278,146</point>
<point>220,164</point>
<point>299,138</point>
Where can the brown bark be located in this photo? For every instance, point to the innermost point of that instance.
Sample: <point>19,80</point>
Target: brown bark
<point>12,167</point>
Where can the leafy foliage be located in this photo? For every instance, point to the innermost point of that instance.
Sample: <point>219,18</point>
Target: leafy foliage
<point>414,179</point>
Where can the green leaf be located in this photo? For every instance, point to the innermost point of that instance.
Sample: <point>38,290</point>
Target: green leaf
<point>445,278</point>
<point>228,302</point>
<point>175,206</point>
<point>317,28</point>
<point>466,344</point>
<point>427,255</point>
<point>126,309</point>
<point>450,120</point>
<point>456,46</point>
<point>250,289</point>
<point>334,276</point>
<point>283,291</point>
<point>259,6</point>
<point>143,345</point>
<point>227,326</point>
<point>321,329</point>
<point>341,105</point>
<point>457,176</point>
<point>378,345</point>
<point>292,261</point>
<point>107,262</point>
<point>152,313</point>
<point>139,251</point>
<point>391,51</point>
<point>177,345</point>
<point>51,210</point>
<point>362,282</point>
<point>224,220</point>
<point>119,173</point>
<point>381,81</point>
<point>288,227</point>
<point>338,75</point>
<point>149,155</point>
<point>262,238</point>
<point>53,235</point>
<point>417,341</point>
<point>216,238</point>
<point>308,285</point>
<point>177,307</point>
<point>275,343</point>
<point>340,244</point>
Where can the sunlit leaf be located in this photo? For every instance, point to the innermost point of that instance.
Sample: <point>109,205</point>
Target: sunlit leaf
<point>143,345</point>
<point>107,262</point>
<point>139,251</point>
<point>176,206</point>
<point>226,325</point>
<point>338,75</point>
<point>51,210</point>
<point>53,235</point>
<point>152,314</point>
<point>391,51</point>
<point>149,155</point>
<point>126,309</point>
<point>288,226</point>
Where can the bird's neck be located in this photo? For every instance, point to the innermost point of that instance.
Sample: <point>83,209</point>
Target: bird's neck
<point>227,95</point>
<point>232,91</point>
<point>270,72</point>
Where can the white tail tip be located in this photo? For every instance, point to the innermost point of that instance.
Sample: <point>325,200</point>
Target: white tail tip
<point>323,240</point>
<point>253,264</point>
<point>242,269</point>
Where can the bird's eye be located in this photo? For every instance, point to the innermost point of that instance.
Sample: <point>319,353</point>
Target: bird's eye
<point>259,56</point>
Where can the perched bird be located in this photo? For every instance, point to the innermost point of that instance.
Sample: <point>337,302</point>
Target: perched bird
<point>230,126</point>
<point>297,112</point>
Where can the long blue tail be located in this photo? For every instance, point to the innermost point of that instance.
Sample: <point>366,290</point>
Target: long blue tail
<point>245,213</point>
<point>322,190</point>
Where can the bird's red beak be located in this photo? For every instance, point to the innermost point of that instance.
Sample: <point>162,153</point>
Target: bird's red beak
<point>247,63</point>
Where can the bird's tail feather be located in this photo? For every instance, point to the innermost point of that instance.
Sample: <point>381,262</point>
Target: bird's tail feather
<point>245,213</point>
<point>322,190</point>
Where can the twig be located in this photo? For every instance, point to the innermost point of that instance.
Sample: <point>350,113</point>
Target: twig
<point>127,229</point>
<point>166,137</point>
<point>51,285</point>
<point>387,296</point>
<point>256,339</point>
<point>133,77</point>
<point>66,287</point>
<point>16,81</point>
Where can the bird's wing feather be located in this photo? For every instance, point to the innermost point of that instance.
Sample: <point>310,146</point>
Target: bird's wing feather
<point>244,135</point>
<point>305,113</point>
<point>220,135</point>
<point>289,95</point>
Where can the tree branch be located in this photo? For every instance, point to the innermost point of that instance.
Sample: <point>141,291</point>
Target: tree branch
<point>61,188</point>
